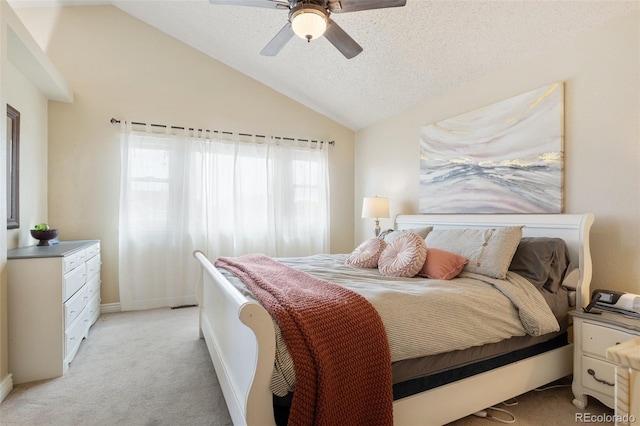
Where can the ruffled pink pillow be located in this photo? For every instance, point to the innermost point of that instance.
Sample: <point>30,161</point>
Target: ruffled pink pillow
<point>442,264</point>
<point>366,254</point>
<point>404,257</point>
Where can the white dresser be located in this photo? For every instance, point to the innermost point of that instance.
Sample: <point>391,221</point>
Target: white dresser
<point>53,295</point>
<point>593,373</point>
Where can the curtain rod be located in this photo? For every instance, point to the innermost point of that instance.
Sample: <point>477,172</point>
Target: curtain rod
<point>116,121</point>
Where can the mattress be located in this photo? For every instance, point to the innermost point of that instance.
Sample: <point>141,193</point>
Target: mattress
<point>421,374</point>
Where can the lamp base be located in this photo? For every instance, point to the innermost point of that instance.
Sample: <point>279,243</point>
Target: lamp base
<point>376,229</point>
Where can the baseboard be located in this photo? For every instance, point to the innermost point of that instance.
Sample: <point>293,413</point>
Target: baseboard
<point>6,386</point>
<point>110,308</point>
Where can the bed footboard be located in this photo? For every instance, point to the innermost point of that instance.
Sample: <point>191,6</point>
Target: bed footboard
<point>240,338</point>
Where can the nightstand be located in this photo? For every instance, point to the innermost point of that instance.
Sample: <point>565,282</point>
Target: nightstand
<point>593,373</point>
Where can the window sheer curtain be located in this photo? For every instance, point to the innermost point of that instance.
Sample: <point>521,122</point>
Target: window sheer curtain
<point>225,195</point>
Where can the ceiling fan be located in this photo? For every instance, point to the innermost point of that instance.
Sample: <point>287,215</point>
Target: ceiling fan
<point>310,19</point>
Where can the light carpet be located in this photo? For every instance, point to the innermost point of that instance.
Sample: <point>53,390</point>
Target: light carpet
<point>135,368</point>
<point>150,368</point>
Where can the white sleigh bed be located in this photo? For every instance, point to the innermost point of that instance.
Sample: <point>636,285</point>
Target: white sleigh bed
<point>240,335</point>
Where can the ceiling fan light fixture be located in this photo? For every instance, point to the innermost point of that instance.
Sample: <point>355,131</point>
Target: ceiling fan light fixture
<point>308,21</point>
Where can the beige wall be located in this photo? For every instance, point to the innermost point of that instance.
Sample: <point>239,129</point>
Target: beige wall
<point>27,79</point>
<point>601,71</point>
<point>120,67</point>
<point>32,104</point>
<point>21,94</point>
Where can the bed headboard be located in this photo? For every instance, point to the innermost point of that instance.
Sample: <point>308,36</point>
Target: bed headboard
<point>573,228</point>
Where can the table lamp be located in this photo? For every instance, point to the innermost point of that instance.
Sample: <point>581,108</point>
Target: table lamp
<point>375,207</point>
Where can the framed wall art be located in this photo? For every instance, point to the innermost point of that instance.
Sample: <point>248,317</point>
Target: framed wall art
<point>507,157</point>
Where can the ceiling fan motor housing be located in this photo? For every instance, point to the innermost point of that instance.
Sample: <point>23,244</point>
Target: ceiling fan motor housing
<point>309,21</point>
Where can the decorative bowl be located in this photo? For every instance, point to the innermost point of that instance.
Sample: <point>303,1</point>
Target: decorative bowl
<point>45,236</point>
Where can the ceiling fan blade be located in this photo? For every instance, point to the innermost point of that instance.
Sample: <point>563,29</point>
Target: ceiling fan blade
<point>269,4</point>
<point>277,43</point>
<point>341,40</point>
<point>344,6</point>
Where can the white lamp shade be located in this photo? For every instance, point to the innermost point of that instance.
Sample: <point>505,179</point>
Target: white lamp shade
<point>309,24</point>
<point>375,207</point>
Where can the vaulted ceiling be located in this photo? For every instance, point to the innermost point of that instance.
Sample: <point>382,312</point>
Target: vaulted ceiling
<point>411,53</point>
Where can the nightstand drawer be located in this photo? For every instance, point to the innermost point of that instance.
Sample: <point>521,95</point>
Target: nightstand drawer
<point>596,339</point>
<point>595,373</point>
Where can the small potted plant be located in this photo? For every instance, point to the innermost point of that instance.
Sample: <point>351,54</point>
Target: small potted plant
<point>45,234</point>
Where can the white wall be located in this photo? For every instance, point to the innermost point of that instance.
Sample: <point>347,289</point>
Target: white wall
<point>120,67</point>
<point>601,71</point>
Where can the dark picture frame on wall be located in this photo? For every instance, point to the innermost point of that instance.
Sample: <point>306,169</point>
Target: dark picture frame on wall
<point>13,167</point>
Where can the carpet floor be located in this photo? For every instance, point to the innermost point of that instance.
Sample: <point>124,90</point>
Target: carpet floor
<point>150,368</point>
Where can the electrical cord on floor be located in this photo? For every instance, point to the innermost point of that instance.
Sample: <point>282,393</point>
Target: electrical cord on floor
<point>487,415</point>
<point>510,403</point>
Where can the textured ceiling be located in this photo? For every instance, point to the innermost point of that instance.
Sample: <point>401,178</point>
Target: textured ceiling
<point>411,53</point>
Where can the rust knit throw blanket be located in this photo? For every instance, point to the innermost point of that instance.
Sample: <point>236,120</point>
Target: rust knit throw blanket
<point>336,339</point>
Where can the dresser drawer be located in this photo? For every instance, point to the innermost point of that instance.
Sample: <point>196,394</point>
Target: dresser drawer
<point>93,286</point>
<point>596,339</point>
<point>74,306</point>
<point>93,309</point>
<point>595,372</point>
<point>81,256</point>
<point>69,262</point>
<point>93,250</point>
<point>75,333</point>
<point>73,281</point>
<point>93,266</point>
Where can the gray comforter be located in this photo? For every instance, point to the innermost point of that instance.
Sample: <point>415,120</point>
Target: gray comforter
<point>424,316</point>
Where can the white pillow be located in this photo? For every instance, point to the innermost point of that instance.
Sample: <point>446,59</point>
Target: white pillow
<point>404,257</point>
<point>489,250</point>
<point>366,254</point>
<point>571,279</point>
<point>390,236</point>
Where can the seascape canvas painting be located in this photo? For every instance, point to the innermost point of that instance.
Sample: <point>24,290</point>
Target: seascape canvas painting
<point>503,158</point>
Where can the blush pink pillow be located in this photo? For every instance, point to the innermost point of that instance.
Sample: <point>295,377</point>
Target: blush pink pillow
<point>442,264</point>
<point>366,254</point>
<point>403,257</point>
